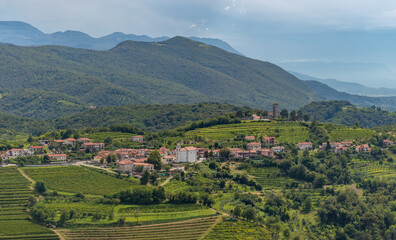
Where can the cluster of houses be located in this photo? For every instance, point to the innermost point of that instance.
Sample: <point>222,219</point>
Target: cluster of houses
<point>32,150</point>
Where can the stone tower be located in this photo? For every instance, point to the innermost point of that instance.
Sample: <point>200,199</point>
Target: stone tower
<point>275,110</point>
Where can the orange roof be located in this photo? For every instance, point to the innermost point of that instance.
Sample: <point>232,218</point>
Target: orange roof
<point>138,136</point>
<point>17,149</point>
<point>59,141</point>
<point>70,139</point>
<point>125,162</point>
<point>253,143</point>
<point>91,144</point>
<point>36,146</point>
<point>190,148</point>
<point>84,139</point>
<point>143,164</point>
<point>304,143</point>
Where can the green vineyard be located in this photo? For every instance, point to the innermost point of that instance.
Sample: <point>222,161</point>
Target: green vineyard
<point>237,231</point>
<point>188,230</point>
<point>14,221</point>
<point>269,178</point>
<point>74,179</point>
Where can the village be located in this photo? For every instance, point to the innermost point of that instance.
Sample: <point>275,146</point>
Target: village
<point>134,161</point>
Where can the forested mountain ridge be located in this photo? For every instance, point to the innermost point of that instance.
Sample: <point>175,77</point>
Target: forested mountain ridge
<point>327,93</point>
<point>178,70</point>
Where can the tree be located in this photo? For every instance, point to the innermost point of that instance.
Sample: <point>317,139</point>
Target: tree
<point>155,159</point>
<point>63,218</point>
<point>307,205</point>
<point>284,113</point>
<point>145,178</point>
<point>237,211</point>
<point>30,139</point>
<point>225,153</point>
<point>108,141</point>
<point>1,161</point>
<point>138,168</point>
<point>249,214</point>
<point>40,187</point>
<point>46,159</point>
<point>111,158</point>
<point>306,117</point>
<point>159,195</point>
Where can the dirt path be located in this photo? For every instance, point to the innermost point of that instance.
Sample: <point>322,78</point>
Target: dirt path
<point>61,237</point>
<point>27,177</point>
<point>166,181</point>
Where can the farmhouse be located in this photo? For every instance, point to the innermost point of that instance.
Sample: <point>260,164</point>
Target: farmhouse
<point>266,152</point>
<point>387,142</point>
<point>250,138</point>
<point>17,152</point>
<point>93,146</point>
<point>36,149</point>
<point>363,148</point>
<point>278,149</point>
<point>129,166</point>
<point>253,146</point>
<point>137,138</point>
<point>186,154</point>
<point>83,140</point>
<point>70,141</point>
<point>268,140</point>
<point>304,145</point>
<point>58,157</point>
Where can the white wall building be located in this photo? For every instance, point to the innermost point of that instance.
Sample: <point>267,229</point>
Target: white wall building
<point>186,154</point>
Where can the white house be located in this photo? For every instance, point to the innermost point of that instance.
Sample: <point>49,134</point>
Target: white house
<point>186,154</point>
<point>278,149</point>
<point>304,145</point>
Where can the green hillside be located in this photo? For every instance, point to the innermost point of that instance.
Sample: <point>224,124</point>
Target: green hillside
<point>178,70</point>
<point>146,117</point>
<point>343,112</point>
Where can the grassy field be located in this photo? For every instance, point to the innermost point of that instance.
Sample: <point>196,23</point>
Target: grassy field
<point>14,221</point>
<point>238,231</point>
<point>76,179</point>
<point>285,132</point>
<point>188,230</point>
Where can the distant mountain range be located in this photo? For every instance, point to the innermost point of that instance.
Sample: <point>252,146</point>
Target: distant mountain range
<point>349,87</point>
<point>24,34</point>
<point>370,74</point>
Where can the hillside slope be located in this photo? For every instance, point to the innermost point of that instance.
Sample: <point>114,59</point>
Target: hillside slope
<point>343,112</point>
<point>178,70</point>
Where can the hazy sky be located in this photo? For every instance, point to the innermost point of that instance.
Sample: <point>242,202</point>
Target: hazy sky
<point>273,30</point>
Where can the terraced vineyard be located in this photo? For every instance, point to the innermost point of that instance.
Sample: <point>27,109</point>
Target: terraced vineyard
<point>188,230</point>
<point>163,212</point>
<point>345,134</point>
<point>14,221</point>
<point>286,132</point>
<point>237,230</point>
<point>269,178</point>
<point>74,179</point>
<point>373,169</point>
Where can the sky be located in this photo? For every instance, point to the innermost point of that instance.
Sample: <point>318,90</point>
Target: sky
<point>279,31</point>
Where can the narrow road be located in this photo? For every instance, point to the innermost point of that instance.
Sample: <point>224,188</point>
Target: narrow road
<point>27,177</point>
<point>166,181</point>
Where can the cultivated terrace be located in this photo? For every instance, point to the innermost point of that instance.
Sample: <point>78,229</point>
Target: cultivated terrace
<point>263,175</point>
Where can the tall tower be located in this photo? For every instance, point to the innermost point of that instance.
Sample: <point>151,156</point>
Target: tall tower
<point>275,111</point>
